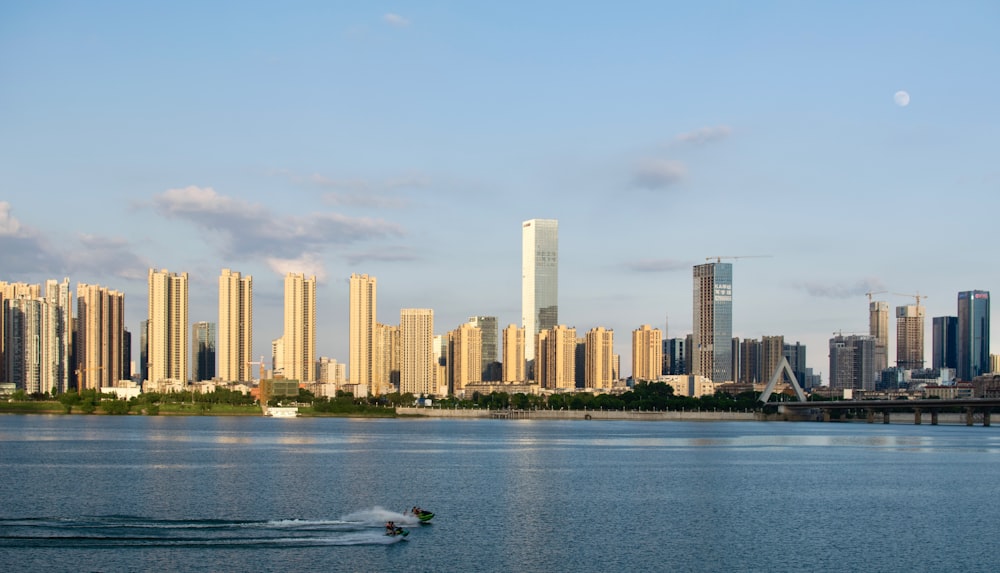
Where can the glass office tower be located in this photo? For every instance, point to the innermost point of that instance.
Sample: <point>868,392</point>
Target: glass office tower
<point>973,334</point>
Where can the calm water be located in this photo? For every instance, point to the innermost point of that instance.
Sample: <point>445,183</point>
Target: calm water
<point>101,493</point>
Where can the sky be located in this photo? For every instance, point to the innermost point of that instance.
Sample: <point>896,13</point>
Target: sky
<point>410,140</point>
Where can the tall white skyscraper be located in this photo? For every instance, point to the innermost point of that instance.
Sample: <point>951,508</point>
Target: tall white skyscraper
<point>539,279</point>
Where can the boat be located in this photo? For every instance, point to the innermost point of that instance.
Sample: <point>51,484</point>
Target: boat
<point>398,531</point>
<point>424,516</point>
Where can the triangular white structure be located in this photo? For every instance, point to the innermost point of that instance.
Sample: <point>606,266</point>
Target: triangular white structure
<point>783,366</point>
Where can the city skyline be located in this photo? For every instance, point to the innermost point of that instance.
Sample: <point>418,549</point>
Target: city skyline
<point>344,139</point>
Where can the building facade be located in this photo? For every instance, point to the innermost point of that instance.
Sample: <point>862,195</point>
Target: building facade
<point>167,336</point>
<point>465,358</point>
<point>910,337</point>
<point>100,337</point>
<point>555,358</point>
<point>539,278</point>
<point>203,353</point>
<point>235,327</point>
<point>299,338</point>
<point>416,336</point>
<point>712,349</point>
<point>878,328</point>
<point>362,334</point>
<point>973,334</point>
<point>487,325</point>
<point>513,363</point>
<point>599,351</point>
<point>852,362</point>
<point>944,342</point>
<point>647,353</point>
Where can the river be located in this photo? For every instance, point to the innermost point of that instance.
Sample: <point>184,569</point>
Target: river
<point>136,493</point>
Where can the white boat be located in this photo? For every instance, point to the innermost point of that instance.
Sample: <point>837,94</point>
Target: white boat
<point>277,412</point>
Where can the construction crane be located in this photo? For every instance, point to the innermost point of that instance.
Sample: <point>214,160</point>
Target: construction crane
<point>86,370</point>
<point>718,259</point>
<point>870,294</point>
<point>261,363</point>
<point>917,296</point>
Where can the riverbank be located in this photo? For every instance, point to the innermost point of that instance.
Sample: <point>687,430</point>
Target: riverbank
<point>676,416</point>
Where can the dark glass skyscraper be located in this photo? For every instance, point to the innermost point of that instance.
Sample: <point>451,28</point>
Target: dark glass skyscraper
<point>203,335</point>
<point>973,334</point>
<point>944,342</point>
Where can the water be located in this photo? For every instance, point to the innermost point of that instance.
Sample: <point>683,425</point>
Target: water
<point>102,493</point>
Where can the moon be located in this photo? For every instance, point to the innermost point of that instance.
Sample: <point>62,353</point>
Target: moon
<point>901,98</point>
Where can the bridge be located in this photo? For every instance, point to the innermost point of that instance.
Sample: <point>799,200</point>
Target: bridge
<point>974,408</point>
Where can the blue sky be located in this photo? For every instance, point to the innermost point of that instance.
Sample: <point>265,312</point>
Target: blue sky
<point>410,140</point>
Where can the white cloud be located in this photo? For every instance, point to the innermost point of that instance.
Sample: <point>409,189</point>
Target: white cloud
<point>252,232</point>
<point>396,20</point>
<point>9,226</point>
<point>705,134</point>
<point>658,173</point>
<point>825,289</point>
<point>308,264</point>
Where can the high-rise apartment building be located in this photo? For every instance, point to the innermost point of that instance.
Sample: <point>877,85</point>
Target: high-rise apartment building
<point>465,358</point>
<point>203,350</point>
<point>10,291</point>
<point>385,360</point>
<point>910,337</point>
<point>299,338</point>
<point>488,326</point>
<point>539,278</point>
<point>100,337</point>
<point>772,350</point>
<point>599,366</point>
<point>749,361</point>
<point>60,341</point>
<point>416,337</point>
<point>712,350</point>
<point>26,323</point>
<point>647,353</point>
<point>167,338</point>
<point>555,358</point>
<point>973,334</point>
<point>235,327</point>
<point>878,328</point>
<point>513,355</point>
<point>362,335</point>
<point>944,342</point>
<point>851,359</point>
<point>796,355</point>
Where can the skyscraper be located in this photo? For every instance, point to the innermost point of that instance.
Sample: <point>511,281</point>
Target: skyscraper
<point>488,326</point>
<point>8,292</point>
<point>973,334</point>
<point>167,338</point>
<point>944,342</point>
<point>513,355</point>
<point>385,360</point>
<point>878,328</point>
<point>299,339</point>
<point>235,327</point>
<point>362,335</point>
<point>599,367</point>
<point>910,337</point>
<point>712,350</point>
<point>60,340</point>
<point>647,353</point>
<point>465,358</point>
<point>416,334</point>
<point>203,350</point>
<point>100,331</point>
<point>539,278</point>
<point>772,350</point>
<point>555,366</point>
<point>851,362</point>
